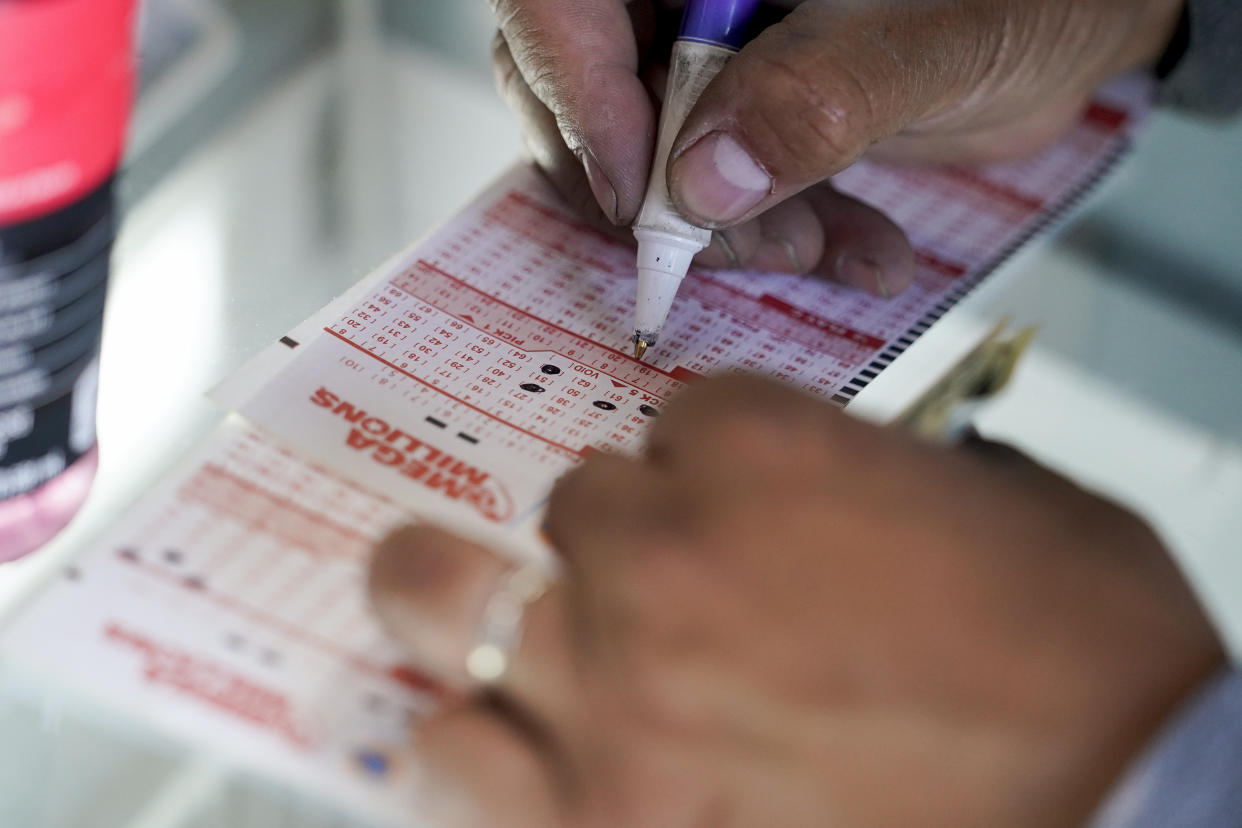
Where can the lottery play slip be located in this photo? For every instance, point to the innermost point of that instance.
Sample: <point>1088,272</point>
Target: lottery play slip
<point>455,384</point>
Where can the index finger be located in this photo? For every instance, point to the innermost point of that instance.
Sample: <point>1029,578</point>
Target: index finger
<point>581,59</point>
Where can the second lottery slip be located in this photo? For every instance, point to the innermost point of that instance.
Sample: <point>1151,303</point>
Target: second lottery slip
<point>455,384</point>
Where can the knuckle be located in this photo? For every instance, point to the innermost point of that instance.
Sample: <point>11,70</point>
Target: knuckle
<point>660,649</point>
<point>584,482</point>
<point>818,102</point>
<point>542,72</point>
<point>744,433</point>
<point>660,689</point>
<point>538,60</point>
<point>826,117</point>
<point>662,563</point>
<point>749,432</point>
<point>413,560</point>
<point>568,500</point>
<point>387,561</point>
<point>707,397</point>
<point>655,574</point>
<point>671,567</point>
<point>588,489</point>
<point>746,405</point>
<point>504,68</point>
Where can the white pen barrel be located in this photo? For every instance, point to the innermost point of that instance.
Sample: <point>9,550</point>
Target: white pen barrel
<point>663,260</point>
<point>667,242</point>
<point>693,67</point>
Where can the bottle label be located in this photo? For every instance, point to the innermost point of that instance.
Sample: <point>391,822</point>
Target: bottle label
<point>50,325</point>
<point>66,74</point>
<point>39,443</point>
<point>66,77</point>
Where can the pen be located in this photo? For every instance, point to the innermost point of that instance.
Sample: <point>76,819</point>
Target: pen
<point>712,31</point>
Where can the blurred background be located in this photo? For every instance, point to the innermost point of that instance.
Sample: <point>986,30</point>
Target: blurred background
<point>282,148</point>
<point>279,150</point>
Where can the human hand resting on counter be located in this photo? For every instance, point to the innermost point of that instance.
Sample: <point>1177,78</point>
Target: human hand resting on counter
<point>934,81</point>
<point>781,616</point>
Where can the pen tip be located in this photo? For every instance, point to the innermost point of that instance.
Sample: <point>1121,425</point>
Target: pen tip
<point>640,348</point>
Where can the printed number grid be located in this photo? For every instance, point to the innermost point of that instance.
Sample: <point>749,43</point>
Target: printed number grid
<point>514,325</point>
<point>269,552</point>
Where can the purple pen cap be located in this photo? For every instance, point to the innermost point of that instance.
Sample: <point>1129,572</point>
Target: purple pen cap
<point>717,22</point>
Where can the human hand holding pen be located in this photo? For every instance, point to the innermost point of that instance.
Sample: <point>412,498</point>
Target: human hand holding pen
<point>931,81</point>
<point>777,615</point>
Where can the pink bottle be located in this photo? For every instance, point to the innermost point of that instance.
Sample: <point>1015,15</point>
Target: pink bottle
<point>66,78</point>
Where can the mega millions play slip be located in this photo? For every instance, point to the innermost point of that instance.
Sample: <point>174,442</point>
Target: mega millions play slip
<point>455,384</point>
